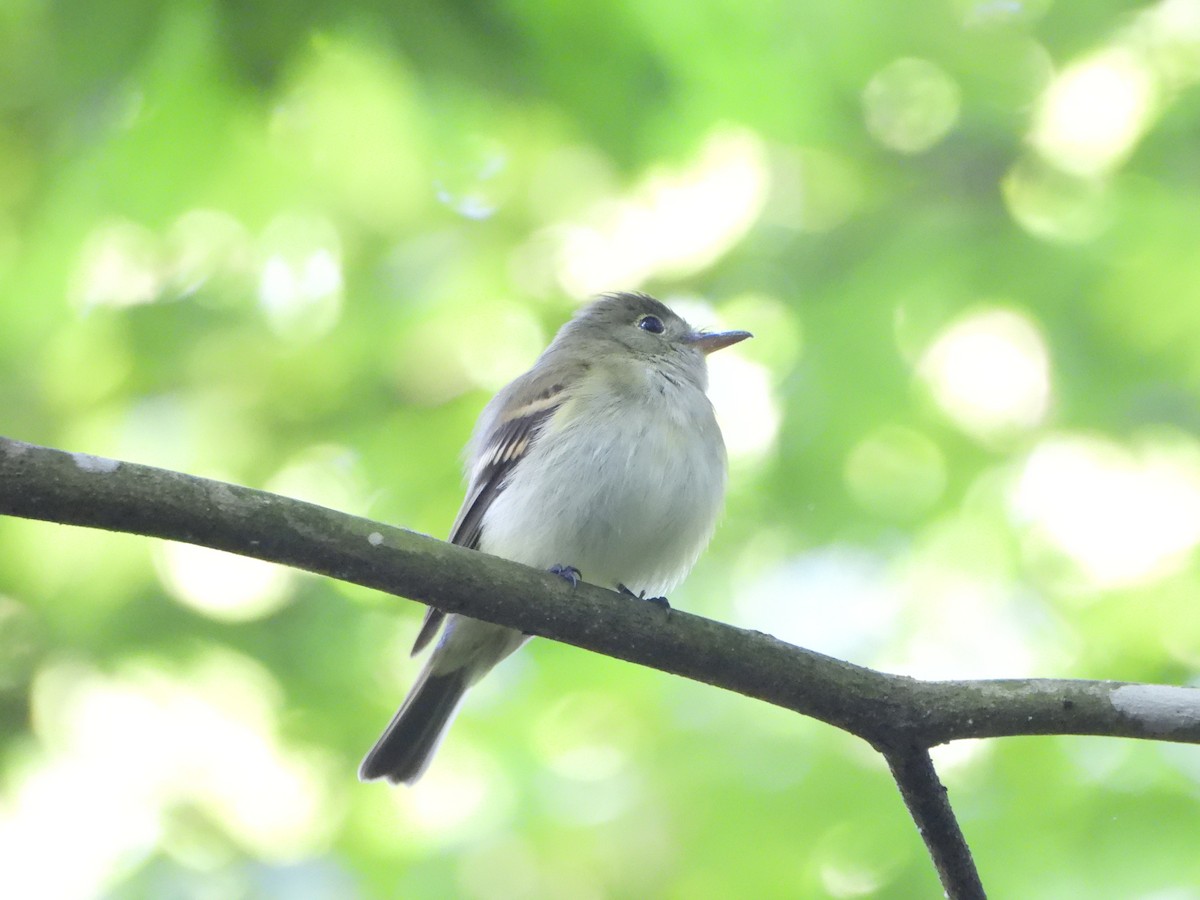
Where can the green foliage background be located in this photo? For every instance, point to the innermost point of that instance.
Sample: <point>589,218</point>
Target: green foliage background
<point>297,245</point>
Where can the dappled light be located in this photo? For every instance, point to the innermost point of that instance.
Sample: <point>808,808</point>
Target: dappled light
<point>1121,515</point>
<point>120,265</point>
<point>584,737</point>
<point>222,585</point>
<point>1094,112</point>
<point>746,411</point>
<point>300,289</point>
<point>845,873</point>
<point>205,245</point>
<point>989,372</point>
<point>910,105</point>
<point>471,182</point>
<point>152,744</point>
<point>464,799</point>
<point>836,600</point>
<point>1055,205</point>
<point>673,223</point>
<point>328,474</point>
<point>963,626</point>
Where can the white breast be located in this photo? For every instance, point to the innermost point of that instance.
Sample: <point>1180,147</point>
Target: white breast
<point>626,492</point>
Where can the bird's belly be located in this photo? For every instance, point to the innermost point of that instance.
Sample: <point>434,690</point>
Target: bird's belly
<point>636,509</point>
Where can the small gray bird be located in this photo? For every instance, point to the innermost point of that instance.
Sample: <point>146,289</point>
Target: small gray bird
<point>604,463</point>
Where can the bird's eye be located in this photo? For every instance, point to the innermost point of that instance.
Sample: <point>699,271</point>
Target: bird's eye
<point>653,324</point>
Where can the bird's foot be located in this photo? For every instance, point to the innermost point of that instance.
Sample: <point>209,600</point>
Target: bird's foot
<point>569,574</point>
<point>657,601</point>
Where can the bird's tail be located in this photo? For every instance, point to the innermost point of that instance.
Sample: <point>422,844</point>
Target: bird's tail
<point>406,748</point>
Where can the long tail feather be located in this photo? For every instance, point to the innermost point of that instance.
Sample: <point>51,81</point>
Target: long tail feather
<point>406,748</point>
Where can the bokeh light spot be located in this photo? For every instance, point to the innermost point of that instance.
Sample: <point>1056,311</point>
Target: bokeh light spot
<point>460,796</point>
<point>833,599</point>
<point>584,736</point>
<point>300,289</point>
<point>990,373</point>
<point>121,264</point>
<point>965,625</point>
<point>1122,517</point>
<point>910,105</point>
<point>141,744</point>
<point>207,244</point>
<point>746,408</point>
<point>673,223</point>
<point>1093,114</point>
<point>853,862</point>
<point>1167,35</point>
<point>470,179</point>
<point>1055,205</point>
<point>464,347</point>
<point>325,474</point>
<point>223,586</point>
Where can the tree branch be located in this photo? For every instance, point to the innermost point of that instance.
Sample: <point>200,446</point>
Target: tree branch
<point>927,801</point>
<point>888,711</point>
<point>77,489</point>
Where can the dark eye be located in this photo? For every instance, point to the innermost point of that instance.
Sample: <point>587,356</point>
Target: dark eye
<point>653,324</point>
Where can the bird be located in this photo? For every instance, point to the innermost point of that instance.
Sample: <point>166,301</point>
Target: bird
<point>603,463</point>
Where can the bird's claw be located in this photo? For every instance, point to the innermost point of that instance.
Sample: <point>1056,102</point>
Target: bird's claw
<point>660,602</point>
<point>570,574</point>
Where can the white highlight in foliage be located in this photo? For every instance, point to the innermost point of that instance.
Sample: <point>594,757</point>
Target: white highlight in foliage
<point>744,404</point>
<point>910,105</point>
<point>674,222</point>
<point>1094,113</point>
<point>223,586</point>
<point>990,373</point>
<point>1122,517</point>
<point>125,752</point>
<point>121,264</point>
<point>301,285</point>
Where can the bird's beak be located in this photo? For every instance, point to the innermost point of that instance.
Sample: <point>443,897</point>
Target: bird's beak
<point>710,342</point>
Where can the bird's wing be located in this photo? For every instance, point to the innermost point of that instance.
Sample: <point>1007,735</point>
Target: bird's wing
<point>511,437</point>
